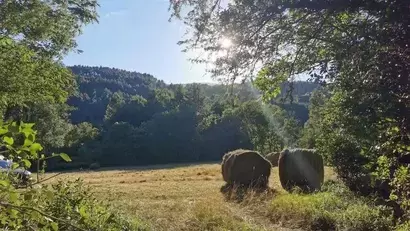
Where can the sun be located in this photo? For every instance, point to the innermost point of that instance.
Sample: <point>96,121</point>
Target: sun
<point>226,43</point>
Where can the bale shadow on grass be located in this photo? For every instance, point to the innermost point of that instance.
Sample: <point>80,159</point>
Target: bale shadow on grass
<point>240,193</point>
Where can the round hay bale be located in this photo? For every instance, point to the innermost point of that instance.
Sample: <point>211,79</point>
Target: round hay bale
<point>246,168</point>
<point>273,158</point>
<point>301,168</point>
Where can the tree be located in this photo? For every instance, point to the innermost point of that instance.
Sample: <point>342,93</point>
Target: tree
<point>261,123</point>
<point>312,129</point>
<point>51,121</point>
<point>360,46</point>
<point>171,136</point>
<point>33,35</point>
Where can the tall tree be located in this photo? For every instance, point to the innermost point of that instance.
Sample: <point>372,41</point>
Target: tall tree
<point>34,36</point>
<point>361,46</point>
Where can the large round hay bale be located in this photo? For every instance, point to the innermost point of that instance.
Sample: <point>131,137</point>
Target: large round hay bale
<point>246,168</point>
<point>301,168</point>
<point>273,158</point>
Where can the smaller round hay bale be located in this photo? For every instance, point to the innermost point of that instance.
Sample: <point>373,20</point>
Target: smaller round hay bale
<point>301,168</point>
<point>273,158</point>
<point>246,168</point>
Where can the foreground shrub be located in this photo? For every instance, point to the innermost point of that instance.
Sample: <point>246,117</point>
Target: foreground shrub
<point>334,209</point>
<point>62,206</point>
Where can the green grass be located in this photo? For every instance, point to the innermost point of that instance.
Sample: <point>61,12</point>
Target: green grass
<point>334,209</point>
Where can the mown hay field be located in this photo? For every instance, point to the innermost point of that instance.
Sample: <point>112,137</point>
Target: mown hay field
<point>180,197</point>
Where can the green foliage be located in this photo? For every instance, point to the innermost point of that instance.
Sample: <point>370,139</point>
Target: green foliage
<point>335,208</point>
<point>28,77</point>
<point>36,34</point>
<point>359,47</point>
<point>97,86</point>
<point>62,206</point>
<point>312,128</point>
<point>74,201</point>
<point>54,23</point>
<point>264,125</point>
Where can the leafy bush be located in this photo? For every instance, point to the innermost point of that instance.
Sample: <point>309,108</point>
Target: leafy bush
<point>335,208</point>
<point>64,206</point>
<point>403,227</point>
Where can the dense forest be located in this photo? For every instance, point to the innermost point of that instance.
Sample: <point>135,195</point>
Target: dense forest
<point>119,117</point>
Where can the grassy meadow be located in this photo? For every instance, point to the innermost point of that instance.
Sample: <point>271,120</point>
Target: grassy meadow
<point>188,197</point>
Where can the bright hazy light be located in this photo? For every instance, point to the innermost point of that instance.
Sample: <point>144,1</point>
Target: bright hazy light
<point>226,43</point>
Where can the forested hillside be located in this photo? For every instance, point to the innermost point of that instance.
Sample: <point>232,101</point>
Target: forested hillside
<point>129,118</point>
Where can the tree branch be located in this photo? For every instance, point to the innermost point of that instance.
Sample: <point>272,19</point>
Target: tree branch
<point>39,182</point>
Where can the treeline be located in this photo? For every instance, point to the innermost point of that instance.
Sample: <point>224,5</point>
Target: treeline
<point>116,117</point>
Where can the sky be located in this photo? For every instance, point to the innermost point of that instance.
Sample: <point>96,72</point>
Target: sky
<point>136,35</point>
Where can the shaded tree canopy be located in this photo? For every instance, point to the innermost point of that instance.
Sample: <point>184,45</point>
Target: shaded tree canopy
<point>34,36</point>
<point>361,47</point>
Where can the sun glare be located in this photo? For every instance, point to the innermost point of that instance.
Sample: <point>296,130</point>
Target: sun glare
<point>226,43</point>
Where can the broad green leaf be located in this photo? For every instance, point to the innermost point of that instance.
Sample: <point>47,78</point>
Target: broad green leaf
<point>3,131</point>
<point>27,163</point>
<point>65,157</point>
<point>8,140</point>
<point>54,226</point>
<point>14,165</point>
<point>25,149</point>
<point>31,137</point>
<point>27,142</point>
<point>35,147</point>
<point>395,129</point>
<point>4,183</point>
<point>83,212</point>
<point>13,213</point>
<point>27,131</point>
<point>5,41</point>
<point>29,125</point>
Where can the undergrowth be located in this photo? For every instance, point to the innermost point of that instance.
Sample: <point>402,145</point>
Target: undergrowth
<point>334,208</point>
<point>68,206</point>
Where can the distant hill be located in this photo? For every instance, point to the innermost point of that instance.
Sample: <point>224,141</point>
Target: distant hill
<point>96,85</point>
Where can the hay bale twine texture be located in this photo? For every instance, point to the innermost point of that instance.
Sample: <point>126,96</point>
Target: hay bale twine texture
<point>301,168</point>
<point>246,168</point>
<point>273,158</point>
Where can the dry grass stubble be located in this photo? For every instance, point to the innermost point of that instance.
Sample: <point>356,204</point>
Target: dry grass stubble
<point>177,197</point>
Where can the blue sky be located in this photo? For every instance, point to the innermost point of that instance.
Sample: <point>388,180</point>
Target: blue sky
<point>136,35</point>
